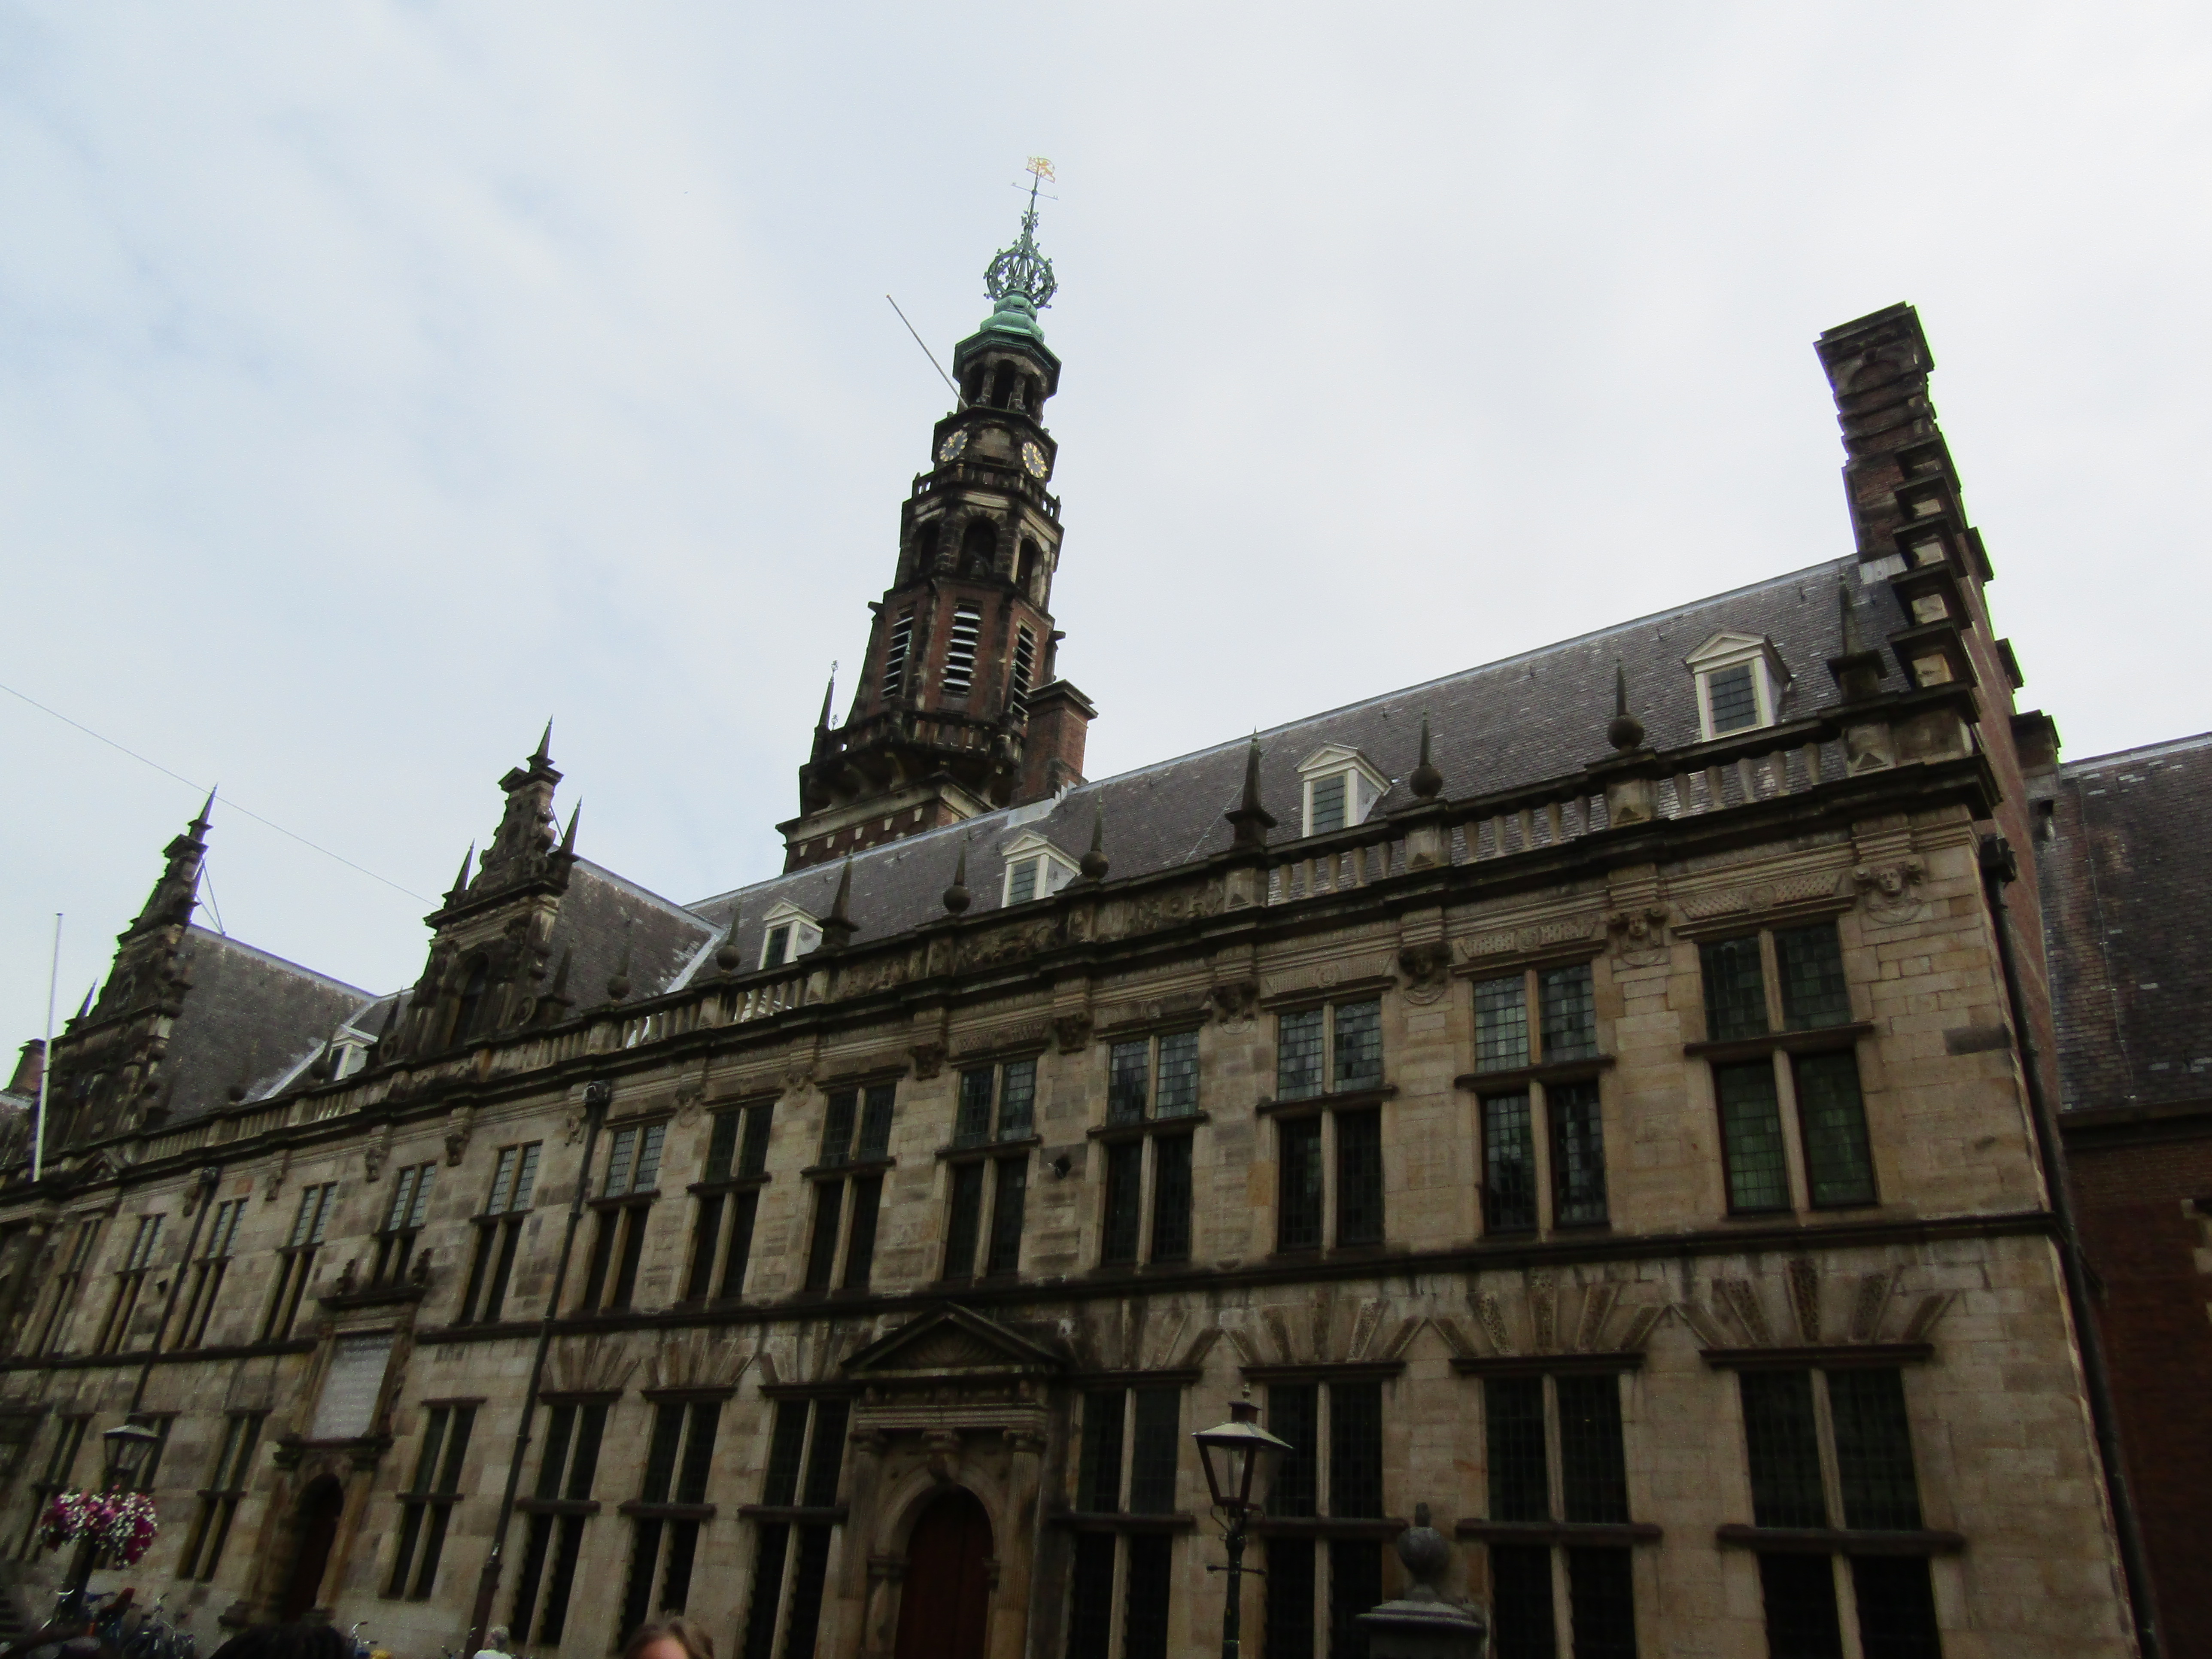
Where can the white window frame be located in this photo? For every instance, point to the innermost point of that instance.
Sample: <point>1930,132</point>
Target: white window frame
<point>1055,868</point>
<point>1363,784</point>
<point>1769,678</point>
<point>806,931</point>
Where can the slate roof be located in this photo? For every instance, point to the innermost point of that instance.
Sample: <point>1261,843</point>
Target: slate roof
<point>2123,872</point>
<point>250,1019</point>
<point>603,916</point>
<point>1518,721</point>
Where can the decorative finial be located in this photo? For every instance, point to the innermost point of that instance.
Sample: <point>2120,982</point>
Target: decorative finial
<point>1250,820</point>
<point>619,982</point>
<point>545,755</point>
<point>1022,271</point>
<point>957,896</point>
<point>200,824</point>
<point>568,839</point>
<point>837,927</point>
<point>1094,865</point>
<point>1623,730</point>
<point>1425,781</point>
<point>828,692</point>
<point>461,882</point>
<point>727,957</point>
<point>560,992</point>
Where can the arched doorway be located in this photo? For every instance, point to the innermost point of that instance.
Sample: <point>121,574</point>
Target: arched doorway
<point>315,1530</point>
<point>945,1603</point>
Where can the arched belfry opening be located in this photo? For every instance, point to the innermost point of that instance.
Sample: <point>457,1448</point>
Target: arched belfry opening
<point>945,1607</point>
<point>978,547</point>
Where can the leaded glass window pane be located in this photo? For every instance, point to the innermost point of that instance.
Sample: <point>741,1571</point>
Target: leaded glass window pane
<point>1873,1450</point>
<point>1359,1177</point>
<point>1329,795</point>
<point>876,1123</point>
<point>860,1245</point>
<point>821,1249</point>
<point>1355,1449</point>
<point>837,1126</point>
<point>1810,961</point>
<point>1735,988</point>
<point>1171,1198</point>
<point>1799,1592</point>
<point>1017,1099</point>
<point>1125,1168</point>
<point>1091,1602</point>
<point>1355,1585</point>
<point>1158,1419</point>
<point>1897,1607</point>
<point>1501,1025</point>
<point>1144,1615</point>
<point>964,1232</point>
<point>1577,1154</point>
<point>1513,1424</point>
<point>1294,1416</point>
<point>1521,1603</point>
<point>619,1157</point>
<point>1022,885</point>
<point>1570,1012</point>
<point>1509,1165</point>
<point>722,1145</point>
<point>1300,1222</point>
<point>1593,1465</point>
<point>1751,1136</point>
<point>971,1125</point>
<point>1839,1163</point>
<point>1782,1443</point>
<point>1129,1068</point>
<point>1601,1595</point>
<point>1006,1206</point>
<point>788,1443</point>
<point>1178,1085</point>
<point>1734,698</point>
<point>1290,1584</point>
<point>752,1157</point>
<point>1359,1045</point>
<point>1098,1478</point>
<point>1297,1054</point>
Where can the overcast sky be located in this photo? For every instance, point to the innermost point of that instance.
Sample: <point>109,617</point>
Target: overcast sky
<point>377,380</point>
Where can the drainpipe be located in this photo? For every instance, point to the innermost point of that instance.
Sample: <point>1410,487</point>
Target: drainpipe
<point>2000,868</point>
<point>597,1097</point>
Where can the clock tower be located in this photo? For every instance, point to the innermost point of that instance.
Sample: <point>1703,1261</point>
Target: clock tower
<point>959,710</point>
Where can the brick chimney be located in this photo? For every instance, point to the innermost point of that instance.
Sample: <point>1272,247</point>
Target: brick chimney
<point>1059,718</point>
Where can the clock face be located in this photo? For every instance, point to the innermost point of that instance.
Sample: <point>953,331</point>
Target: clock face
<point>1033,459</point>
<point>952,448</point>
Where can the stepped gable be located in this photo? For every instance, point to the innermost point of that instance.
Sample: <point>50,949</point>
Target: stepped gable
<point>2121,861</point>
<point>1502,725</point>
<point>605,918</point>
<point>251,1020</point>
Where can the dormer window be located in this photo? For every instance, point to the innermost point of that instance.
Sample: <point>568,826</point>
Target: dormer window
<point>347,1057</point>
<point>1340,788</point>
<point>787,933</point>
<point>1739,680</point>
<point>1036,869</point>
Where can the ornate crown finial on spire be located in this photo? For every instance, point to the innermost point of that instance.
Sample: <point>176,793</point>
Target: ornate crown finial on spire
<point>1023,269</point>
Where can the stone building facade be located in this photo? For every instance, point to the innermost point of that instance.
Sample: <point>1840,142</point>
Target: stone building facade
<point>1582,1094</point>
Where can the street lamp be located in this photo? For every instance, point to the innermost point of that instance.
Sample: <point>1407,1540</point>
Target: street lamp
<point>1231,1454</point>
<point>127,1444</point>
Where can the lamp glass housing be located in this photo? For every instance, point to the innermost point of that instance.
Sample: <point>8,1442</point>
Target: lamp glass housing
<point>1232,1454</point>
<point>127,1446</point>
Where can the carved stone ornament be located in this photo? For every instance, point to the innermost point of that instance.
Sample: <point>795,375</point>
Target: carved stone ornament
<point>928,1059</point>
<point>687,1106</point>
<point>1639,936</point>
<point>572,1126</point>
<point>1426,970</point>
<point>1072,1032</point>
<point>1235,1001</point>
<point>1891,892</point>
<point>273,1182</point>
<point>372,1160</point>
<point>457,1130</point>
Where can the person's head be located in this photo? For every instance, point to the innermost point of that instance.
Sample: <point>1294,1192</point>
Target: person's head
<point>496,1637</point>
<point>668,1639</point>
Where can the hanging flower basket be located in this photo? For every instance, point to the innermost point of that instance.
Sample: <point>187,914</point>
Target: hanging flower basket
<point>124,1522</point>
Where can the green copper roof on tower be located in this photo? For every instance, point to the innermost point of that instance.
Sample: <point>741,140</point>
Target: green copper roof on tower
<point>1019,278</point>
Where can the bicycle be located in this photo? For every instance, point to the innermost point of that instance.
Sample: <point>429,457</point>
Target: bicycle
<point>156,1638</point>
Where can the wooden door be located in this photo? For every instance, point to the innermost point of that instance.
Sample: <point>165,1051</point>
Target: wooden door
<point>944,1604</point>
<point>315,1529</point>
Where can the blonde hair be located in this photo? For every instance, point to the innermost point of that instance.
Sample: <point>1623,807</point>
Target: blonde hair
<point>692,1639</point>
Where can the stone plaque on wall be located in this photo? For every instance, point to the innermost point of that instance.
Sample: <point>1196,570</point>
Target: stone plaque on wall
<point>348,1407</point>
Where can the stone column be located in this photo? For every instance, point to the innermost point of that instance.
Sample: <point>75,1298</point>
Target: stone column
<point>1017,1551</point>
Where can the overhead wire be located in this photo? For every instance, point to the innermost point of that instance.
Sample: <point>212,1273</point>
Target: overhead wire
<point>228,801</point>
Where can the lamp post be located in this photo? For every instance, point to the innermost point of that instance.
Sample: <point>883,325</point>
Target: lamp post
<point>127,1445</point>
<point>1231,1454</point>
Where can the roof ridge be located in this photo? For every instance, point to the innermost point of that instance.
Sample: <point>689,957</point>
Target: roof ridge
<point>236,944</point>
<point>2145,751</point>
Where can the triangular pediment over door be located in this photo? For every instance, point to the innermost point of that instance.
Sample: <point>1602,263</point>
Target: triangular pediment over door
<point>950,1342</point>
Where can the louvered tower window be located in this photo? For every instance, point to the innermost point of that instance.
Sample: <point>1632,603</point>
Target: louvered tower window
<point>895,656</point>
<point>1024,666</point>
<point>960,650</point>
